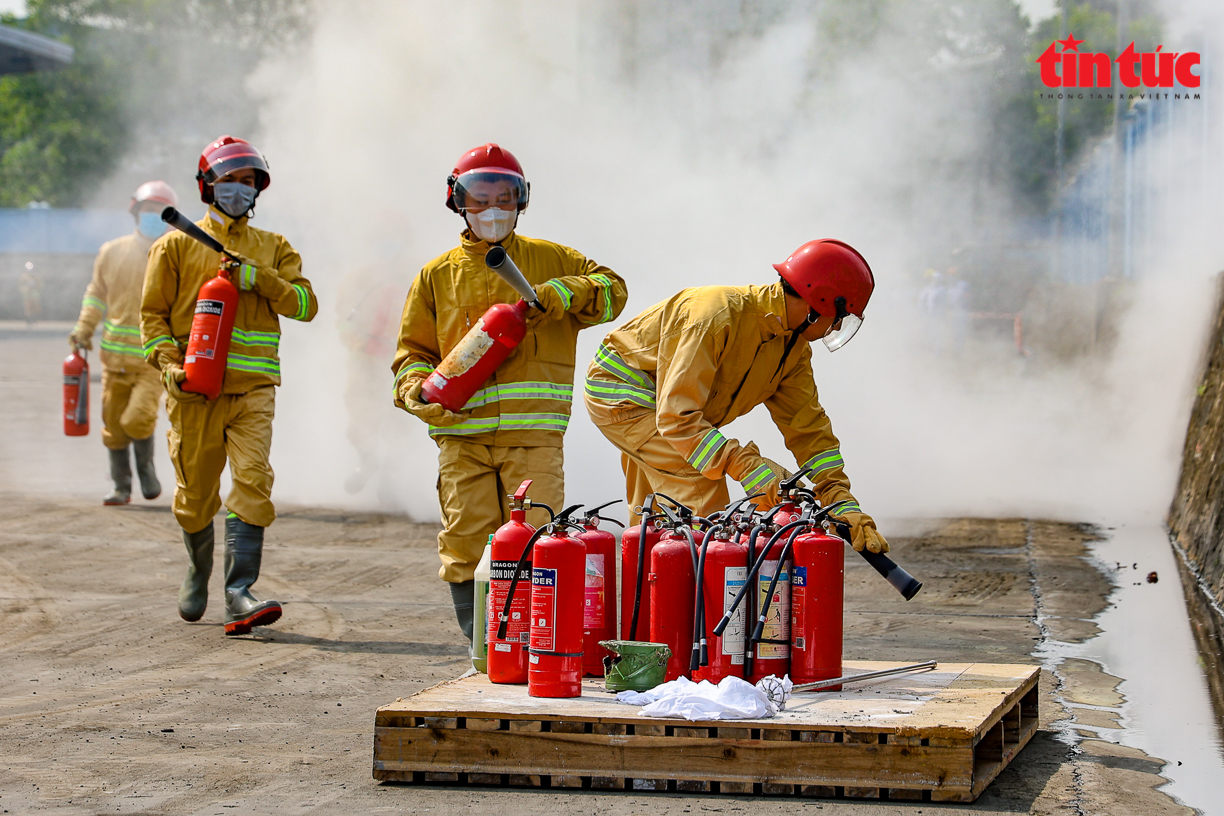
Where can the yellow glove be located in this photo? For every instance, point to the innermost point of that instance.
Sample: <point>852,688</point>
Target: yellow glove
<point>863,532</point>
<point>172,375</point>
<point>552,303</point>
<point>430,414</point>
<point>80,337</point>
<point>243,271</point>
<point>756,474</point>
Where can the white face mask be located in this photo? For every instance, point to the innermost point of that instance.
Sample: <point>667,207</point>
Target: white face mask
<point>492,224</point>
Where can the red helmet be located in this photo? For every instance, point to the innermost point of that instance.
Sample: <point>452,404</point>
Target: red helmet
<point>158,191</point>
<point>833,279</point>
<point>488,162</point>
<point>226,155</point>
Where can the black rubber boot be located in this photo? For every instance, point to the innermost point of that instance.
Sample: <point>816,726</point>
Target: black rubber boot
<point>121,475</point>
<point>462,598</point>
<point>243,552</point>
<point>193,593</point>
<point>150,487</point>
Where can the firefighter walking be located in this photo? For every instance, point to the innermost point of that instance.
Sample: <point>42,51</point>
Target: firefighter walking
<point>237,426</point>
<point>131,391</point>
<point>512,429</point>
<point>662,384</point>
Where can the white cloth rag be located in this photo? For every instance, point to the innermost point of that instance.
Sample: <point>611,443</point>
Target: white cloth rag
<point>732,699</point>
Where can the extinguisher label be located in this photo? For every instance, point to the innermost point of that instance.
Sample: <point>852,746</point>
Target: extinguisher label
<point>798,606</point>
<point>518,622</point>
<point>210,307</point>
<point>733,635</point>
<point>468,353</point>
<point>593,609</point>
<point>543,609</point>
<point>777,622</point>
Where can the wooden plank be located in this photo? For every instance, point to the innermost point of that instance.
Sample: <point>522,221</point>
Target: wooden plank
<point>709,759</point>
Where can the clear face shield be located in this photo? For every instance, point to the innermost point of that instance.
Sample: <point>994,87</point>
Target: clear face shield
<point>477,190</point>
<point>841,332</point>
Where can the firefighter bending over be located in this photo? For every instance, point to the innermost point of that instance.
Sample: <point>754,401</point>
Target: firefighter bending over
<point>238,424</point>
<point>662,384</point>
<point>131,391</point>
<point>512,429</point>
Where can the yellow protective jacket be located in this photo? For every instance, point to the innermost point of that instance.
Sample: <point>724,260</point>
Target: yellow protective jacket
<point>706,357</point>
<point>114,291</point>
<point>527,400</point>
<point>179,266</point>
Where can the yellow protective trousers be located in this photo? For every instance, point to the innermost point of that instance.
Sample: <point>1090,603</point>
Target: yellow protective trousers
<point>653,465</point>
<point>129,405</point>
<point>237,427</point>
<point>474,481</point>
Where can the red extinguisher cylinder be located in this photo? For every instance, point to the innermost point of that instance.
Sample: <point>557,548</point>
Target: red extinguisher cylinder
<point>630,544</point>
<point>558,594</point>
<point>470,364</point>
<point>76,394</point>
<point>817,595</point>
<point>726,570</point>
<point>507,656</point>
<point>672,600</point>
<point>771,655</point>
<point>599,602</point>
<point>211,328</point>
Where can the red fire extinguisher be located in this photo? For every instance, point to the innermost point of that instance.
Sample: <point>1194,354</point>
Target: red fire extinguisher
<point>817,592</point>
<point>724,570</point>
<point>771,638</point>
<point>599,609</point>
<point>76,393</point>
<point>486,345</point>
<point>637,540</point>
<point>507,645</point>
<point>211,328</point>
<point>558,590</point>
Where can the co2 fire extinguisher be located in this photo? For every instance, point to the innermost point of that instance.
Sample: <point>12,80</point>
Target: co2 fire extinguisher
<point>76,393</point>
<point>486,345</point>
<point>213,323</point>
<point>509,624</point>
<point>599,606</point>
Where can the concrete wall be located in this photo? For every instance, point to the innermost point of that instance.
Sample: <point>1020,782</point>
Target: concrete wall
<point>1196,519</point>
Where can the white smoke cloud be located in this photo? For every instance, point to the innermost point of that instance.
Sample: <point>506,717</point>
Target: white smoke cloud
<point>702,158</point>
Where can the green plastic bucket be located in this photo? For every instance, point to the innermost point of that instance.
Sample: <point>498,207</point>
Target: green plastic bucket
<point>635,666</point>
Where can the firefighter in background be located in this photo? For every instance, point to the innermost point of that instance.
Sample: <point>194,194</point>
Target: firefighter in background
<point>662,384</point>
<point>513,428</point>
<point>131,390</point>
<point>238,424</point>
<point>367,308</point>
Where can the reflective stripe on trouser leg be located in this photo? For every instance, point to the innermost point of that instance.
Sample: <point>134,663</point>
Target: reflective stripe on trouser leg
<point>473,481</point>
<point>202,436</point>
<point>652,465</point>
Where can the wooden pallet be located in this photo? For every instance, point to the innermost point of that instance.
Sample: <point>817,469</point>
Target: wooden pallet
<point>940,736</point>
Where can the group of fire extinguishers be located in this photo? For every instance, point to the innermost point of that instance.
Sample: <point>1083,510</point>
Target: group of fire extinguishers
<point>542,614</point>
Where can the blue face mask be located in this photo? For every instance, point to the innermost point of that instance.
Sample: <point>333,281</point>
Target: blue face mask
<point>234,198</point>
<point>150,225</point>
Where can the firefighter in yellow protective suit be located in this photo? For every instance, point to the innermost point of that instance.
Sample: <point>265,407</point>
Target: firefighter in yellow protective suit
<point>512,429</point>
<point>238,424</point>
<point>662,384</point>
<point>131,390</point>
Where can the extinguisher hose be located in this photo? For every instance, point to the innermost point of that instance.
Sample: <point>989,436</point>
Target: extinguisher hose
<point>701,656</point>
<point>637,591</point>
<point>756,567</point>
<point>82,406</point>
<point>514,579</point>
<point>773,584</point>
<point>749,612</point>
<point>698,595</point>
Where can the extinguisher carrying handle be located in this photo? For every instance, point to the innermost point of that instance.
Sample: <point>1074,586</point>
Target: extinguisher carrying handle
<point>183,224</point>
<point>593,517</point>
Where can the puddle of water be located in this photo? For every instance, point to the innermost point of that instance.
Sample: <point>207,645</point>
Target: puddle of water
<point>1146,640</point>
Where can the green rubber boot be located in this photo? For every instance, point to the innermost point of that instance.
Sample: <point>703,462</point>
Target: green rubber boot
<point>150,487</point>
<point>243,553</point>
<point>121,475</point>
<point>193,594</point>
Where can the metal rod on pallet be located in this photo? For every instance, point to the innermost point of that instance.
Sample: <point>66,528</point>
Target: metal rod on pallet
<point>854,678</point>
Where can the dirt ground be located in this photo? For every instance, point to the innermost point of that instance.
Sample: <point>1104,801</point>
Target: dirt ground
<point>109,703</point>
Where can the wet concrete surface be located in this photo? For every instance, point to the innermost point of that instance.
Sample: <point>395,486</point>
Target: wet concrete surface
<point>110,703</point>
